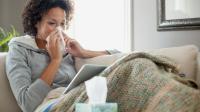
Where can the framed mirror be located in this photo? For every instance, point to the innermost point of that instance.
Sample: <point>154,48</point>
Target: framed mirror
<point>178,15</point>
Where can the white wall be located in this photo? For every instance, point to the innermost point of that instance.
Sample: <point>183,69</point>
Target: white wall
<point>10,14</point>
<point>145,31</point>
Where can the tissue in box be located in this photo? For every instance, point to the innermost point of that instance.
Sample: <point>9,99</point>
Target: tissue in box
<point>107,107</point>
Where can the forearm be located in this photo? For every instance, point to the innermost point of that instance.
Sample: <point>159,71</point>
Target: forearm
<point>49,73</point>
<point>28,93</point>
<point>91,54</point>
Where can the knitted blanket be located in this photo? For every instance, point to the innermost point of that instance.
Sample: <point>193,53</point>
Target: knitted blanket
<point>140,82</point>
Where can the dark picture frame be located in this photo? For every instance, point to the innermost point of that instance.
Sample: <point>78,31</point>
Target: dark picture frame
<point>174,24</point>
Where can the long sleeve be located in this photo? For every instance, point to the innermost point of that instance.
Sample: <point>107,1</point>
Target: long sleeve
<point>28,94</point>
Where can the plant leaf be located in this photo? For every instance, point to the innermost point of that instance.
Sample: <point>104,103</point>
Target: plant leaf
<point>6,39</point>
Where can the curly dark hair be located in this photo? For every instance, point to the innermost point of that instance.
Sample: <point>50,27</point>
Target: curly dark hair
<point>35,9</point>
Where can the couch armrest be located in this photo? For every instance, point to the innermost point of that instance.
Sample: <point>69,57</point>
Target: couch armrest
<point>7,100</point>
<point>198,70</point>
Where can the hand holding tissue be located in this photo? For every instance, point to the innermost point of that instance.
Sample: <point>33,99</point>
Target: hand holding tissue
<point>97,92</point>
<point>62,42</point>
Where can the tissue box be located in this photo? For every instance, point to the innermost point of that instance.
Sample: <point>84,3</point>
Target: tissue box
<point>107,107</point>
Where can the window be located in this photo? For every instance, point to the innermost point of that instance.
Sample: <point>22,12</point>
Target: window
<point>102,24</point>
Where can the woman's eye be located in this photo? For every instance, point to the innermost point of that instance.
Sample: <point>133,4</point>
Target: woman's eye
<point>51,23</point>
<point>62,24</point>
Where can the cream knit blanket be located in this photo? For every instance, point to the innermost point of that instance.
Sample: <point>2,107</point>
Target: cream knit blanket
<point>139,82</point>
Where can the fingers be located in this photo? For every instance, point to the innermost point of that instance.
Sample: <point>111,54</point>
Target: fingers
<point>69,42</point>
<point>51,35</point>
<point>53,41</point>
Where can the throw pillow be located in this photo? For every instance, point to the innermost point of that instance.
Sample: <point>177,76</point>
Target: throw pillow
<point>185,57</point>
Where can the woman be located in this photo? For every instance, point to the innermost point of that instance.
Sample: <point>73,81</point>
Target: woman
<point>35,66</point>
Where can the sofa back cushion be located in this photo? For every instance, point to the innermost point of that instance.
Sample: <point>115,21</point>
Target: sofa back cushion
<point>184,56</point>
<point>7,100</point>
<point>99,60</point>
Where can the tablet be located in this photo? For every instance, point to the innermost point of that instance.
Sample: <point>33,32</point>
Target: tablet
<point>86,72</point>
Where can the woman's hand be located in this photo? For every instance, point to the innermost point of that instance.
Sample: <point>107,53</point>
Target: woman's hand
<point>73,47</point>
<point>52,46</point>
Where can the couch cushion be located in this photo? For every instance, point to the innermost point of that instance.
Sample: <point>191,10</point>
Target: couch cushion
<point>185,56</point>
<point>7,100</point>
<point>100,60</point>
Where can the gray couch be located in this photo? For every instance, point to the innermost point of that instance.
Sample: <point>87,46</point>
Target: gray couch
<point>186,56</point>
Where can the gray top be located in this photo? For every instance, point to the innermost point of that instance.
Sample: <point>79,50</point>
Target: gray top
<point>25,63</point>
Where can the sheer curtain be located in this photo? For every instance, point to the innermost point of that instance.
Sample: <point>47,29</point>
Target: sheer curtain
<point>102,24</point>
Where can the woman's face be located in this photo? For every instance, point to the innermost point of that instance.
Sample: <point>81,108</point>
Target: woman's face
<point>53,18</point>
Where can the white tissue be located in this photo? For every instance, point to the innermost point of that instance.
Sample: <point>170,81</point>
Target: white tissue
<point>62,42</point>
<point>96,90</point>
